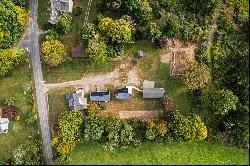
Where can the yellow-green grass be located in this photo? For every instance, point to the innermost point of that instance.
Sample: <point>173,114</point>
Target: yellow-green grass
<point>12,86</point>
<point>189,153</point>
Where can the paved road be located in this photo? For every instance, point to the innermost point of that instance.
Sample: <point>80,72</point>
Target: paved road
<point>38,80</point>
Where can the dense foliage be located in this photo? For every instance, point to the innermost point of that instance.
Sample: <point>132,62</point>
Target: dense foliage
<point>12,23</point>
<point>227,57</point>
<point>87,33</point>
<point>195,76</point>
<point>186,128</point>
<point>96,50</point>
<point>139,10</point>
<point>64,23</point>
<point>68,133</point>
<point>115,31</point>
<point>28,153</point>
<point>10,111</point>
<point>53,52</point>
<point>10,59</point>
<point>221,101</point>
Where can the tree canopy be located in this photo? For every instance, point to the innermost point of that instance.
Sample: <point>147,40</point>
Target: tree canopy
<point>116,31</point>
<point>9,59</point>
<point>12,23</point>
<point>96,50</point>
<point>195,76</point>
<point>53,52</point>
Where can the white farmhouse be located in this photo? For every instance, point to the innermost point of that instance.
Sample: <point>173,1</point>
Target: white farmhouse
<point>58,7</point>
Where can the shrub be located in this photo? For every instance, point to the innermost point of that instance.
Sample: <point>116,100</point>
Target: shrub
<point>28,153</point>
<point>51,35</point>
<point>154,32</point>
<point>64,23</point>
<point>221,101</point>
<point>10,101</point>
<point>10,59</point>
<point>31,116</point>
<point>87,33</point>
<point>92,108</point>
<point>96,50</point>
<point>68,134</point>
<point>10,111</point>
<point>77,11</point>
<point>22,3</point>
<point>195,76</point>
<point>115,50</point>
<point>93,128</point>
<point>156,130</point>
<point>127,136</point>
<point>53,52</point>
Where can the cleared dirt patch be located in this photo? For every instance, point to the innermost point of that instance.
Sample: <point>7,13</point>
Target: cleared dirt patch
<point>143,115</point>
<point>174,45</point>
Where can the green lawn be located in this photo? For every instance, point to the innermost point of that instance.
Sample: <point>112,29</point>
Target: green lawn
<point>153,153</point>
<point>57,104</point>
<point>12,86</point>
<point>174,88</point>
<point>73,69</point>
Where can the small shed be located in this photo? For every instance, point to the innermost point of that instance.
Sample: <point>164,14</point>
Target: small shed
<point>122,94</point>
<point>153,93</point>
<point>100,96</point>
<point>148,84</point>
<point>4,125</point>
<point>77,52</point>
<point>140,54</point>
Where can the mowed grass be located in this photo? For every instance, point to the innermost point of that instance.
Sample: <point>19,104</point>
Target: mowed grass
<point>155,153</point>
<point>174,88</point>
<point>57,104</point>
<point>73,69</point>
<point>12,86</point>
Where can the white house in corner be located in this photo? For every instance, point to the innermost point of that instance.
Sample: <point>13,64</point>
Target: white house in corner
<point>57,7</point>
<point>4,125</point>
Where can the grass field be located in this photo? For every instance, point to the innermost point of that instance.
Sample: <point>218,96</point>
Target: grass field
<point>151,153</point>
<point>12,86</point>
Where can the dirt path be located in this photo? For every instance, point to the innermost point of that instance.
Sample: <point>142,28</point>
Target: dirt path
<point>125,74</point>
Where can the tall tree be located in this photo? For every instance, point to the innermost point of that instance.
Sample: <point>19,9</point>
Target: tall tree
<point>12,23</point>
<point>53,52</point>
<point>195,76</point>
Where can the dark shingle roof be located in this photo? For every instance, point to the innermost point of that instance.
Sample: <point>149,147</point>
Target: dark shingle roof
<point>100,96</point>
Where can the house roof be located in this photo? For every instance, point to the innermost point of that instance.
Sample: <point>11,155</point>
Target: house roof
<point>153,93</point>
<point>148,84</point>
<point>4,125</point>
<point>100,96</point>
<point>76,101</point>
<point>77,52</point>
<point>122,93</point>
